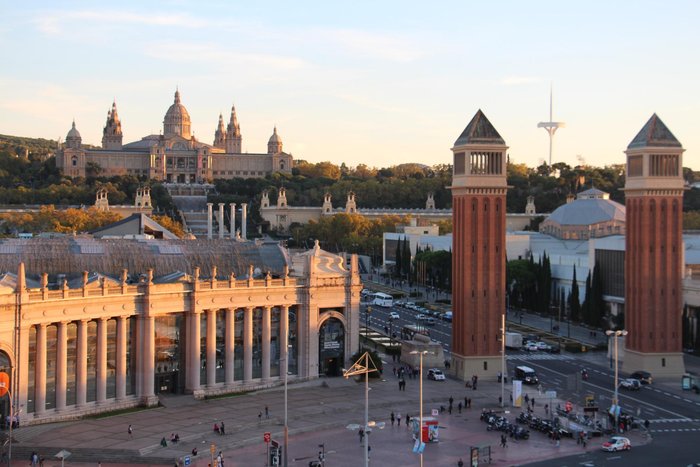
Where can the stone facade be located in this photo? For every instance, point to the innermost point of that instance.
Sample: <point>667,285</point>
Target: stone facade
<point>175,155</point>
<point>95,343</point>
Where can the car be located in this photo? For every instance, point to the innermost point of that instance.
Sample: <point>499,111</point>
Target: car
<point>393,315</point>
<point>543,346</point>
<point>421,317</point>
<point>447,316</point>
<point>531,347</point>
<point>436,374</point>
<point>617,443</point>
<point>631,384</point>
<point>644,377</point>
<point>430,321</point>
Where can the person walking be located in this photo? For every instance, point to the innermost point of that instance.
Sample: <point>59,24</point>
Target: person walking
<point>222,429</point>
<point>130,430</point>
<point>392,417</point>
<point>459,407</point>
<point>504,440</point>
<point>408,419</point>
<point>361,433</point>
<point>460,463</point>
<point>267,412</point>
<point>398,418</point>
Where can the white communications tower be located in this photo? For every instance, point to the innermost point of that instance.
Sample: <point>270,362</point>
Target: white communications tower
<point>551,127</point>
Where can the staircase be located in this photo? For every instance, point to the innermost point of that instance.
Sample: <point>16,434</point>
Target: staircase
<point>191,201</point>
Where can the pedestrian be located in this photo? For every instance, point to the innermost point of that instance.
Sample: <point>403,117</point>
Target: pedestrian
<point>449,409</point>
<point>267,412</point>
<point>163,442</point>
<point>469,402</point>
<point>451,401</point>
<point>361,433</point>
<point>400,384</point>
<point>533,402</point>
<point>394,371</point>
<point>259,417</point>
<point>546,409</point>
<point>460,463</point>
<point>459,407</point>
<point>504,440</point>
<point>407,420</point>
<point>527,399</point>
<point>584,440</point>
<point>465,403</point>
<point>392,417</point>
<point>222,429</point>
<point>500,401</point>
<point>398,418</point>
<point>130,430</point>
<point>557,437</point>
<point>646,424</point>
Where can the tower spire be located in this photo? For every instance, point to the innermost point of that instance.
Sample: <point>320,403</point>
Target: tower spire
<point>551,126</point>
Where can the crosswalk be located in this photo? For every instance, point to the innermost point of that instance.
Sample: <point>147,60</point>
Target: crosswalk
<point>671,425</point>
<point>539,356</point>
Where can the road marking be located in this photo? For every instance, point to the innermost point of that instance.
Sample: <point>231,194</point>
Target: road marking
<point>614,458</point>
<point>610,391</point>
<point>688,400</point>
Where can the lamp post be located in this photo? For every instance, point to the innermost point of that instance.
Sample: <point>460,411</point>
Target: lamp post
<point>616,407</point>
<point>286,424</point>
<point>503,358</point>
<point>368,310</point>
<point>359,368</point>
<point>420,392</point>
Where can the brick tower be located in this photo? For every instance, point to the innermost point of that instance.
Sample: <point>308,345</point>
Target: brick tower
<point>478,248</point>
<point>654,251</point>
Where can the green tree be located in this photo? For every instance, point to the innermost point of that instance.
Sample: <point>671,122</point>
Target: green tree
<point>574,301</point>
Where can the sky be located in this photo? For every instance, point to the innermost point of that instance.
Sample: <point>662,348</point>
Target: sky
<point>362,82</point>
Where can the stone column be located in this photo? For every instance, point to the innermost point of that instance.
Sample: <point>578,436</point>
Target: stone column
<point>248,345</point>
<point>194,351</point>
<point>40,371</point>
<point>121,356</point>
<point>244,220</point>
<point>148,358</point>
<point>221,220</point>
<point>101,367</point>
<point>209,221</point>
<point>230,345</point>
<point>61,365</point>
<point>81,364</point>
<point>266,343</point>
<point>284,338</point>
<point>211,348</point>
<point>232,233</point>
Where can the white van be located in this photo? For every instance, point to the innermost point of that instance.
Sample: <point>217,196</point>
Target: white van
<point>383,300</point>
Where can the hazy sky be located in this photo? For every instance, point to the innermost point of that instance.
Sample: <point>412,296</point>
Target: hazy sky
<point>379,82</point>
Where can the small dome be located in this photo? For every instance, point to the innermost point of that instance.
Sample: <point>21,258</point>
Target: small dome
<point>588,211</point>
<point>275,138</point>
<point>177,119</point>
<point>73,132</point>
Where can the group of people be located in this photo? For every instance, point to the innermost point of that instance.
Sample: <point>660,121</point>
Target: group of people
<point>397,418</point>
<point>472,384</point>
<point>14,421</point>
<point>220,429</point>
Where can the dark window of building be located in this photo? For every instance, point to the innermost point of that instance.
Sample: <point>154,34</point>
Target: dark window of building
<point>459,163</point>
<point>611,267</point>
<point>634,166</point>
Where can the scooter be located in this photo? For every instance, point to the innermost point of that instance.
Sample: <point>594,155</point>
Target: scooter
<point>584,375</point>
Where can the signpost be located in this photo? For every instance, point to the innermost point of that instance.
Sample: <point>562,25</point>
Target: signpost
<point>274,453</point>
<point>551,395</point>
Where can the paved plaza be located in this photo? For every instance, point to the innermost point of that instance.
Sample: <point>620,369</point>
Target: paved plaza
<point>319,413</point>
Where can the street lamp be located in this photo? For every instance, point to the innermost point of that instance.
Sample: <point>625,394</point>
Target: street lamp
<point>286,373</point>
<point>420,353</point>
<point>616,407</point>
<point>359,368</point>
<point>503,358</point>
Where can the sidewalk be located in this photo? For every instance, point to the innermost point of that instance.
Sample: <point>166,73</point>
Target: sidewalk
<point>319,412</point>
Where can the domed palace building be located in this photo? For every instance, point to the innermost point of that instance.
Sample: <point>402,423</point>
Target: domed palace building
<point>174,156</point>
<point>591,215</point>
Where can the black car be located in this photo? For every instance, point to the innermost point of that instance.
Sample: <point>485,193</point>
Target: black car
<point>644,377</point>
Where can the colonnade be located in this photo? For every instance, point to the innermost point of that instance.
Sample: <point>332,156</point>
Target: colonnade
<point>81,369</point>
<point>220,219</point>
<point>210,357</point>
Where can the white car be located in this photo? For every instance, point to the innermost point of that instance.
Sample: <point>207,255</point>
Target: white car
<point>393,315</point>
<point>531,347</point>
<point>436,374</point>
<point>617,443</point>
<point>631,384</point>
<point>543,346</point>
<point>421,317</point>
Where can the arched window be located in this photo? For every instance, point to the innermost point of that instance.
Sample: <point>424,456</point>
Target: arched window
<point>281,165</point>
<point>74,161</point>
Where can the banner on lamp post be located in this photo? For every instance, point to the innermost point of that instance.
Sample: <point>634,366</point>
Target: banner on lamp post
<point>517,393</point>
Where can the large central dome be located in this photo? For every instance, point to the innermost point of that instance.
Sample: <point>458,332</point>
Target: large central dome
<point>177,120</point>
